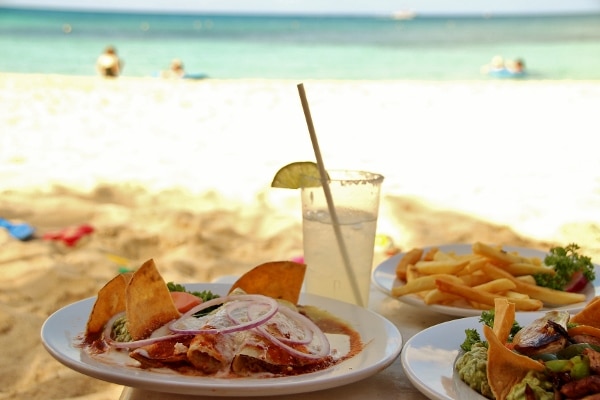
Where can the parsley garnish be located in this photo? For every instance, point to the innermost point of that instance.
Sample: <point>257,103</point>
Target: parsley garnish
<point>472,337</point>
<point>565,261</point>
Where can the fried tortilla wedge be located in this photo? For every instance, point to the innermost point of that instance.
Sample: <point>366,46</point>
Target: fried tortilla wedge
<point>280,280</point>
<point>505,368</point>
<point>590,315</point>
<point>149,304</point>
<point>110,301</point>
<point>504,316</point>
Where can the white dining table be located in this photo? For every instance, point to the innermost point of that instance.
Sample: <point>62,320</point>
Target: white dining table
<point>391,383</point>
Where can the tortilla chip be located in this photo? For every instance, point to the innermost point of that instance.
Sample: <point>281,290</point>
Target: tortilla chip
<point>590,315</point>
<point>110,301</point>
<point>277,279</point>
<point>149,304</point>
<point>505,368</point>
<point>504,317</point>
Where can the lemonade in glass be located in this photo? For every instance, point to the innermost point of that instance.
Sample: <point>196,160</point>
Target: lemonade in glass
<point>355,195</point>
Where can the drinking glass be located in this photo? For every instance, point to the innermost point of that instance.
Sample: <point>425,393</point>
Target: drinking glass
<point>355,196</point>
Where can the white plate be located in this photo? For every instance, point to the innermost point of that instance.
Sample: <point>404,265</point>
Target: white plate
<point>382,338</point>
<point>384,278</point>
<point>428,358</point>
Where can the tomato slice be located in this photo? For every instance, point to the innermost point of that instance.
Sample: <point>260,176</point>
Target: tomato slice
<point>185,301</point>
<point>577,283</point>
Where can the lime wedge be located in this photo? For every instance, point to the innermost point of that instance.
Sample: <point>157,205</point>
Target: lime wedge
<point>297,175</point>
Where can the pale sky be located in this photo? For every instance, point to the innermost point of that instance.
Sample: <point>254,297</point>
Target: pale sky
<point>385,7</point>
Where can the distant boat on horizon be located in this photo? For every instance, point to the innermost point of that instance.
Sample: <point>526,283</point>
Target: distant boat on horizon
<point>404,15</point>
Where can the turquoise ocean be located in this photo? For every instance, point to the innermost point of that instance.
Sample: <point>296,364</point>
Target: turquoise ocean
<point>300,47</point>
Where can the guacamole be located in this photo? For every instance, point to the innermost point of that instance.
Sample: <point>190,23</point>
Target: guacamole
<point>471,368</point>
<point>537,382</point>
<point>120,332</point>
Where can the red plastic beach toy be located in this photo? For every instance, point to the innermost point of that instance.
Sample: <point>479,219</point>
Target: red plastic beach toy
<point>70,236</point>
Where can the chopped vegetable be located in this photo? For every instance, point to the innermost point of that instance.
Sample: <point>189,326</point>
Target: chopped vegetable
<point>566,263</point>
<point>185,301</point>
<point>119,330</point>
<point>575,350</point>
<point>581,367</point>
<point>204,295</point>
<point>577,367</point>
<point>472,337</point>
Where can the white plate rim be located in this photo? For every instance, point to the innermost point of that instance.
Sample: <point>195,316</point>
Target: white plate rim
<point>428,357</point>
<point>384,278</point>
<point>60,330</point>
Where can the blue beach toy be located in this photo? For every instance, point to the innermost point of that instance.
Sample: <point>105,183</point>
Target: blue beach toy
<point>18,231</point>
<point>505,73</point>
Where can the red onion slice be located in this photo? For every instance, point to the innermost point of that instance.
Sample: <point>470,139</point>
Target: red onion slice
<point>258,311</point>
<point>251,310</point>
<point>246,299</point>
<point>305,338</point>
<point>319,341</point>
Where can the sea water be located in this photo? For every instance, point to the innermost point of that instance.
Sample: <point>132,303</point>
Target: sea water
<point>300,47</point>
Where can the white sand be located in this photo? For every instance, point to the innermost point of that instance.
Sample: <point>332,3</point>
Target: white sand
<point>180,172</point>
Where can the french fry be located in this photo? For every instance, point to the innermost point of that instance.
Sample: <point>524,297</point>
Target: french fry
<point>551,296</point>
<point>470,257</point>
<point>412,273</point>
<point>474,279</point>
<point>499,256</point>
<point>440,267</point>
<point>497,286</point>
<point>527,279</point>
<point>477,278</point>
<point>431,254</point>
<point>437,297</point>
<point>474,265</point>
<point>547,295</point>
<point>410,258</point>
<point>440,256</point>
<point>518,269</point>
<point>476,296</point>
<point>511,294</point>
<point>536,261</point>
<point>422,283</point>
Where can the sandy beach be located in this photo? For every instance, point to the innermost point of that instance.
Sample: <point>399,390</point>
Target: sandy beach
<point>179,171</point>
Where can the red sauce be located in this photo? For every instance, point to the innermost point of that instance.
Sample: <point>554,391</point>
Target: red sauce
<point>266,359</point>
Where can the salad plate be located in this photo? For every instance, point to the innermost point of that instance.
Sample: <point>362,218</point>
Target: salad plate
<point>62,332</point>
<point>428,358</point>
<point>384,279</point>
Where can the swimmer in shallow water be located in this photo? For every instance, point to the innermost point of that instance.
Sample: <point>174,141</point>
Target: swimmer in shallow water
<point>175,70</point>
<point>108,64</point>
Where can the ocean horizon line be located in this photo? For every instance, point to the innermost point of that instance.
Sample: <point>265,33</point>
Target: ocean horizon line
<point>400,15</point>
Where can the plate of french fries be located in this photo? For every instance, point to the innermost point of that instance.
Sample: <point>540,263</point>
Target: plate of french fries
<point>464,279</point>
